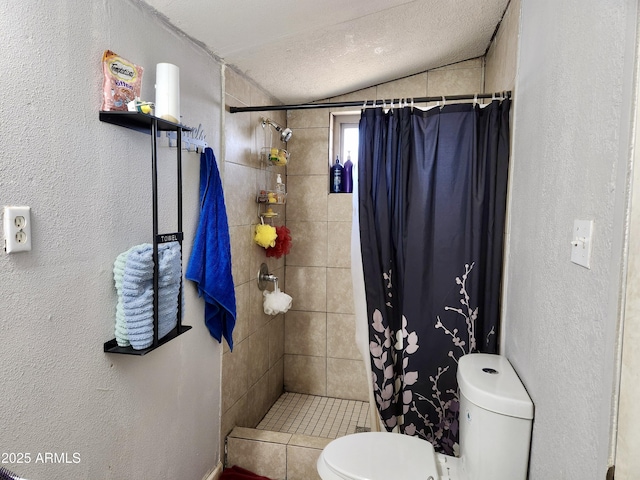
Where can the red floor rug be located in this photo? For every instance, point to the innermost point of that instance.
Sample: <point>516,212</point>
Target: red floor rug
<point>239,473</point>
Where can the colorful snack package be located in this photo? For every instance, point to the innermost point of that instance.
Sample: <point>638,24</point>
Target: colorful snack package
<point>122,81</point>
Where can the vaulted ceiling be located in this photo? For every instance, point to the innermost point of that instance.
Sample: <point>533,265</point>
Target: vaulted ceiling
<point>303,50</point>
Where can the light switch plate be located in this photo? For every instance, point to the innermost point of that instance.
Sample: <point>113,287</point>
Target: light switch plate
<point>581,242</point>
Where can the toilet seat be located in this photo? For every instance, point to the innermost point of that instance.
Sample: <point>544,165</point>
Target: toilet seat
<point>378,456</point>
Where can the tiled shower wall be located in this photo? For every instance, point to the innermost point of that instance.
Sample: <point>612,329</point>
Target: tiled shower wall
<point>312,350</point>
<point>320,353</point>
<point>252,376</point>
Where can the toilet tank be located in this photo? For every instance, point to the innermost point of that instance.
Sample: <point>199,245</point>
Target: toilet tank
<point>496,416</point>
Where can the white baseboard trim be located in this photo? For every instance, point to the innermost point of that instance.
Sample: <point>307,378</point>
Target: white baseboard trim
<point>215,473</point>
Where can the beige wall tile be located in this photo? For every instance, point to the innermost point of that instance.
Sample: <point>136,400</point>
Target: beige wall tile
<point>309,244</point>
<point>232,417</point>
<point>306,333</point>
<point>309,149</point>
<point>259,97</point>
<point>454,81</point>
<point>258,355</point>
<point>259,401</point>
<point>341,333</point>
<point>339,245</point>
<point>315,117</point>
<point>235,379</point>
<point>308,287</point>
<point>259,338</point>
<point>238,138</point>
<point>347,379</point>
<point>307,198</point>
<point>237,87</point>
<point>309,441</point>
<point>276,380</point>
<point>261,435</point>
<point>339,207</point>
<point>241,329</point>
<point>276,340</point>
<point>239,194</point>
<point>359,95</point>
<point>305,374</point>
<point>465,64</point>
<point>301,463</point>
<point>339,291</point>
<point>264,458</point>
<point>241,239</point>
<point>413,86</point>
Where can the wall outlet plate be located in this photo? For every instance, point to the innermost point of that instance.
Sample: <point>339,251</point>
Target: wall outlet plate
<point>17,229</point>
<point>581,242</point>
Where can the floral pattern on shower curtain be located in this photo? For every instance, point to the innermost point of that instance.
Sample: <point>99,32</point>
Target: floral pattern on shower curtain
<point>432,200</point>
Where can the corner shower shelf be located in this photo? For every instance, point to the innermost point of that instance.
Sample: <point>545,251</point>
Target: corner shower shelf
<point>279,158</point>
<point>266,198</point>
<point>151,126</point>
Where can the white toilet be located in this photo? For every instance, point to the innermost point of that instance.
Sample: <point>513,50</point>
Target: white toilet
<point>496,415</point>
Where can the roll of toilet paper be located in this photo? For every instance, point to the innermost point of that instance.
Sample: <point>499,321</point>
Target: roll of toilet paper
<point>168,92</point>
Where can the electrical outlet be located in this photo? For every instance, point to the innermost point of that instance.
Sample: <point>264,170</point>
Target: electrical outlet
<point>17,229</point>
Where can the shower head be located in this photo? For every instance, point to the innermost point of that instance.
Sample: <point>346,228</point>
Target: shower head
<point>285,133</point>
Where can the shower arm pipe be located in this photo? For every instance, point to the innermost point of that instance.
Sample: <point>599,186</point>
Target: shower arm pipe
<point>374,103</point>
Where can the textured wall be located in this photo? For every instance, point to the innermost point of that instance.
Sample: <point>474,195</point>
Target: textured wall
<point>89,186</point>
<point>571,134</point>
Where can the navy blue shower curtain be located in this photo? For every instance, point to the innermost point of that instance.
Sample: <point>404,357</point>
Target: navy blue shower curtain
<point>432,198</point>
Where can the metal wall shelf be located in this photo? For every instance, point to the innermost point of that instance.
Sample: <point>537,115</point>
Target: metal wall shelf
<point>152,125</point>
<point>141,122</point>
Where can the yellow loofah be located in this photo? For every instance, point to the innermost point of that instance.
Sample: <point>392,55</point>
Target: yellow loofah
<point>265,236</point>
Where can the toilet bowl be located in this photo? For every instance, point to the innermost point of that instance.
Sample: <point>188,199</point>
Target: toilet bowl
<point>496,416</point>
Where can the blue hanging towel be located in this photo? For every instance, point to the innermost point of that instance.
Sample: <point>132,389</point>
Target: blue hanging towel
<point>210,263</point>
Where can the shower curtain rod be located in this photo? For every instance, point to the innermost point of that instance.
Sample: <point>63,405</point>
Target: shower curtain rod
<point>374,103</point>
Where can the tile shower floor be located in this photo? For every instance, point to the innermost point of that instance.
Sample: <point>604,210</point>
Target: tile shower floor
<point>315,416</point>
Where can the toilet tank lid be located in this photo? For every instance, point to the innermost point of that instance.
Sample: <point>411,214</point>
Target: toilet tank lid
<point>490,382</point>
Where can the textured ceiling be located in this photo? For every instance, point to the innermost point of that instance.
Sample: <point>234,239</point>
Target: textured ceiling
<point>303,50</point>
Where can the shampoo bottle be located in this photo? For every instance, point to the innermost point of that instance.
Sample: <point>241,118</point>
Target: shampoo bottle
<point>336,177</point>
<point>347,179</point>
<point>281,192</point>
